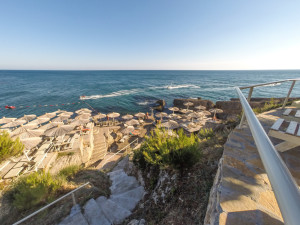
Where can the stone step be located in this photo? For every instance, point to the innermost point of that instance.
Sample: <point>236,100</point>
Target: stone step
<point>134,194</point>
<point>126,203</point>
<point>75,217</point>
<point>124,184</point>
<point>113,212</point>
<point>93,214</point>
<point>115,173</point>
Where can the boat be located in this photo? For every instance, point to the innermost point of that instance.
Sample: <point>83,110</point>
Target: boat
<point>10,107</point>
<point>82,97</point>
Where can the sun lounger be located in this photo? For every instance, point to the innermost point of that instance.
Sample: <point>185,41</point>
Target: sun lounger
<point>291,114</point>
<point>288,131</point>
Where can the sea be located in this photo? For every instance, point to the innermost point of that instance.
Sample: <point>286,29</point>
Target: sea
<point>41,91</point>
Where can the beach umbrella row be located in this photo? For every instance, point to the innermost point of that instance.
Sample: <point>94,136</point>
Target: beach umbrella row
<point>6,120</point>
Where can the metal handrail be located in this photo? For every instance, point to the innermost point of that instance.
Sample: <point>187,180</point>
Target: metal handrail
<point>264,84</point>
<point>136,140</point>
<point>274,82</point>
<point>52,203</point>
<point>285,188</point>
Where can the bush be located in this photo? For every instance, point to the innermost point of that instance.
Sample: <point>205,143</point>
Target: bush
<point>206,133</point>
<point>179,151</point>
<point>68,171</point>
<point>9,147</point>
<point>36,188</point>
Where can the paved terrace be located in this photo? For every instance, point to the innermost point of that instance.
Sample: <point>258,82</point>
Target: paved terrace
<point>242,193</point>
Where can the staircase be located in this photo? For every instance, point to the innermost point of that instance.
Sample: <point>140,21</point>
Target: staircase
<point>100,145</point>
<point>126,192</point>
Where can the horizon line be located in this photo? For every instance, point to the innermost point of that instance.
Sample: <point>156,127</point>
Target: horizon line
<point>144,69</point>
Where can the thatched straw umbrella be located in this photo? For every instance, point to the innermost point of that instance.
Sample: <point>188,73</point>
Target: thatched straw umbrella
<point>139,115</point>
<point>99,116</point>
<point>184,111</point>
<point>60,119</point>
<point>174,109</point>
<point>170,125</point>
<point>161,115</point>
<point>40,120</point>
<point>128,129</point>
<point>59,130</point>
<point>174,116</point>
<point>195,115</point>
<point>132,122</point>
<point>113,115</point>
<point>83,110</point>
<point>78,122</point>
<point>31,142</point>
<point>29,133</point>
<point>21,129</point>
<point>14,123</point>
<point>28,117</point>
<point>200,107</point>
<point>214,111</point>
<point>65,114</point>
<point>127,117</point>
<point>187,104</point>
<point>50,125</point>
<point>83,116</point>
<point>48,115</point>
<point>6,120</point>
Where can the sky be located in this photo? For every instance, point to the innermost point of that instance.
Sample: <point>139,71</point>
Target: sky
<point>149,34</point>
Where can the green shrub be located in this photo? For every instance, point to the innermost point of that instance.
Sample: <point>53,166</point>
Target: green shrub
<point>206,133</point>
<point>9,147</point>
<point>36,188</point>
<point>68,171</point>
<point>267,107</point>
<point>160,149</point>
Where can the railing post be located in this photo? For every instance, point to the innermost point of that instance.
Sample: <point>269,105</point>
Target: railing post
<point>73,199</point>
<point>248,99</point>
<point>288,95</point>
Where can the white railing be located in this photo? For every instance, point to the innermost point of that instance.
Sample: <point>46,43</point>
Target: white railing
<point>283,184</point>
<point>125,148</point>
<point>265,84</point>
<point>52,203</point>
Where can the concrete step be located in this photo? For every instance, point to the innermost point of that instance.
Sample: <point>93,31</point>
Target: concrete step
<point>93,214</point>
<point>113,212</point>
<point>123,184</point>
<point>75,217</point>
<point>126,203</point>
<point>135,194</point>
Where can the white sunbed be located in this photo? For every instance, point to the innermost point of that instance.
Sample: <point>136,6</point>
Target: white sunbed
<point>288,131</point>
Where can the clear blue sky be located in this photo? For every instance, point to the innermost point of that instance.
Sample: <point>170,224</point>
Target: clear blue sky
<point>149,34</point>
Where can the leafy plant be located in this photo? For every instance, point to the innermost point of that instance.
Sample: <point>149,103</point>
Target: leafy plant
<point>9,147</point>
<point>69,171</point>
<point>36,188</point>
<point>206,133</point>
<point>161,149</point>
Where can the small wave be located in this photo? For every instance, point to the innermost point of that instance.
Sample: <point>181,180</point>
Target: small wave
<point>147,102</point>
<point>181,86</point>
<point>114,94</point>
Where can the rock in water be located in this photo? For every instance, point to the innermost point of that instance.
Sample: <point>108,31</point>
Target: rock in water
<point>160,105</point>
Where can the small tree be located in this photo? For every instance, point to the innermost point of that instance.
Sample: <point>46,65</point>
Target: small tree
<point>9,147</point>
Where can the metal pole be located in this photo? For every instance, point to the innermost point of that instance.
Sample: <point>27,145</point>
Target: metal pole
<point>248,99</point>
<point>73,199</point>
<point>288,95</point>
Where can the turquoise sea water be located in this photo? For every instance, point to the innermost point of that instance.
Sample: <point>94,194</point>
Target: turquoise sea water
<point>37,92</point>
